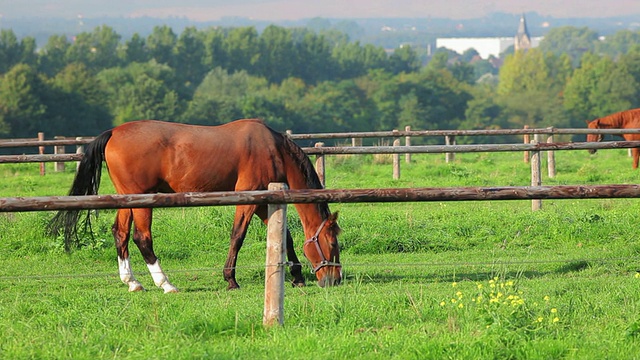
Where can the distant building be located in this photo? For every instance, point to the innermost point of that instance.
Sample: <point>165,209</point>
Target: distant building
<point>522,41</point>
<point>488,47</point>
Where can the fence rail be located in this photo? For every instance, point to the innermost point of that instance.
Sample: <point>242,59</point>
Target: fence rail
<point>191,199</point>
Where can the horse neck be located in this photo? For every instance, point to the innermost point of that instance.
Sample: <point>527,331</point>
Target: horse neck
<point>311,218</point>
<point>311,215</point>
<point>615,121</point>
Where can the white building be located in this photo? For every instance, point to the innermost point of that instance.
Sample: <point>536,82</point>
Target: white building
<point>484,46</point>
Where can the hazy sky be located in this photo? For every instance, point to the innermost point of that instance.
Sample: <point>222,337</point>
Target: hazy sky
<point>295,9</point>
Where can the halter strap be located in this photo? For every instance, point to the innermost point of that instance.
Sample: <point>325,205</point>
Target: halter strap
<point>314,239</point>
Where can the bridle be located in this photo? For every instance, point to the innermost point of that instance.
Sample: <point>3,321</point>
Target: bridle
<point>314,239</point>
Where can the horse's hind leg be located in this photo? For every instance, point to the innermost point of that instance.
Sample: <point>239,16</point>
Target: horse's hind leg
<point>142,238</point>
<point>636,155</point>
<point>120,230</point>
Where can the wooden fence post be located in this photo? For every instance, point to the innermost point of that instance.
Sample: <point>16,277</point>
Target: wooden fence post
<point>320,164</point>
<point>79,150</point>
<point>449,140</point>
<point>41,152</point>
<point>551,158</point>
<point>60,149</point>
<point>275,262</point>
<point>407,142</point>
<point>356,142</point>
<point>536,180</point>
<point>396,161</point>
<point>526,141</point>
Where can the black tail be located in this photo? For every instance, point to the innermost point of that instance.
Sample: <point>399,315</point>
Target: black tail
<point>86,182</point>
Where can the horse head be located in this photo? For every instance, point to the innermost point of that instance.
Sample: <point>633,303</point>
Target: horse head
<point>595,124</point>
<point>323,251</point>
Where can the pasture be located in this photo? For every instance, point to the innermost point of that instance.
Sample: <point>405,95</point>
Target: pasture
<point>461,280</point>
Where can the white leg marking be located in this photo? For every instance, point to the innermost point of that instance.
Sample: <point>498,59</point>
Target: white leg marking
<point>126,275</point>
<point>160,279</point>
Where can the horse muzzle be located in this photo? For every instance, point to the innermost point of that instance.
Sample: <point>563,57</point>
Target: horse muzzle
<point>592,151</point>
<point>330,275</point>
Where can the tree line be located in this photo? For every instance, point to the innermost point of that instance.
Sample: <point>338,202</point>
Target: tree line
<point>306,81</point>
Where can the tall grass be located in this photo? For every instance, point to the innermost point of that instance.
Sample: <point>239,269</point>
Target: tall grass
<point>422,280</point>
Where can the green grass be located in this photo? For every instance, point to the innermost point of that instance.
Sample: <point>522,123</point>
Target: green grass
<point>565,278</point>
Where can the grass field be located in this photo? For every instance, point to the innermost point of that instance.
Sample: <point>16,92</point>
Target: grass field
<point>458,280</point>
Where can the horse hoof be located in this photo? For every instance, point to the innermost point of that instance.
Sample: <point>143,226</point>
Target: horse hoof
<point>169,289</point>
<point>135,286</point>
<point>298,284</point>
<point>233,287</point>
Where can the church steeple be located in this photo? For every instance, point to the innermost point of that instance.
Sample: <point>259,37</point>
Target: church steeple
<point>522,38</point>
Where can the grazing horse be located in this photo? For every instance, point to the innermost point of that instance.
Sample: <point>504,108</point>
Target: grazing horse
<point>151,156</point>
<point>629,119</point>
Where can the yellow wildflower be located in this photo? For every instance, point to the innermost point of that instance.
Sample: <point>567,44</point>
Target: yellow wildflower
<point>554,310</point>
<point>555,319</point>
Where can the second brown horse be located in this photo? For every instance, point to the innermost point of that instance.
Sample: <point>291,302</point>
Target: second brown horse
<point>629,119</point>
<point>154,156</point>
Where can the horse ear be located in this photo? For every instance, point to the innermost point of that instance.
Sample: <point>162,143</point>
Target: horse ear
<point>333,217</point>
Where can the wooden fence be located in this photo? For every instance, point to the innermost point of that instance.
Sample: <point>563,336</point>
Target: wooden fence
<point>278,195</point>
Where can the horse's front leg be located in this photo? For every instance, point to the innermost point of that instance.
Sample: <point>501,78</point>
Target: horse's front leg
<point>635,152</point>
<point>296,267</point>
<point>142,238</point>
<point>238,232</point>
<point>120,230</point>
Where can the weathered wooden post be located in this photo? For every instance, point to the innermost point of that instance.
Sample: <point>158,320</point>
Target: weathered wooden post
<point>396,161</point>
<point>526,141</point>
<point>79,150</point>
<point>407,142</point>
<point>356,141</point>
<point>275,262</point>
<point>41,152</point>
<point>536,180</point>
<point>59,149</point>
<point>450,140</point>
<point>551,157</point>
<point>320,164</point>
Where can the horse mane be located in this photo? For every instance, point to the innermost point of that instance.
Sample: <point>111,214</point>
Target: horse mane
<point>303,163</point>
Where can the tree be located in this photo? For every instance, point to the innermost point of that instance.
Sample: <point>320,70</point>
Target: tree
<point>243,50</point>
<point>135,50</point>
<point>22,110</point>
<point>530,88</point>
<point>404,59</point>
<point>277,54</point>
<point>599,87</point>
<point>10,50</point>
<point>314,62</point>
<point>160,44</point>
<point>215,54</point>
<point>141,91</point>
<point>569,40</point>
<point>77,102</point>
<point>53,55</point>
<point>219,97</point>
<point>97,50</point>
<point>190,55</point>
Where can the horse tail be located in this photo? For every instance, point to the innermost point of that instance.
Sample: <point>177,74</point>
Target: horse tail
<point>86,182</point>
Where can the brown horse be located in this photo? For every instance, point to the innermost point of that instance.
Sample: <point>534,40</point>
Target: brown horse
<point>153,156</point>
<point>629,119</point>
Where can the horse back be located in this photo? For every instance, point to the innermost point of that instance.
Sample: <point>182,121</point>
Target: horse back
<point>154,156</point>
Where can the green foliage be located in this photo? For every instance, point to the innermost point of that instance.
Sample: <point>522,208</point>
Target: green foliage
<point>308,80</point>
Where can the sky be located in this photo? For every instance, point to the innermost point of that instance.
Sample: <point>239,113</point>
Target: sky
<point>205,10</point>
